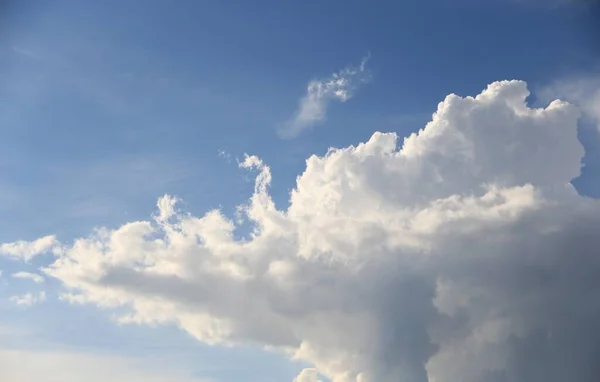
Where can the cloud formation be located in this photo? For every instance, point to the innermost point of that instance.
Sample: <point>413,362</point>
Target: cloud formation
<point>29,276</point>
<point>26,250</point>
<point>29,299</point>
<point>462,254</point>
<point>307,375</point>
<point>312,109</point>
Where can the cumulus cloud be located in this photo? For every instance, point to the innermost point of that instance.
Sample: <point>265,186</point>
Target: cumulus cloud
<point>29,299</point>
<point>312,109</point>
<point>29,276</point>
<point>307,375</point>
<point>461,253</point>
<point>26,250</point>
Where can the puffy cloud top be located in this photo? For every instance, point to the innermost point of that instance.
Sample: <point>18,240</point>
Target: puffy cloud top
<point>307,375</point>
<point>462,255</point>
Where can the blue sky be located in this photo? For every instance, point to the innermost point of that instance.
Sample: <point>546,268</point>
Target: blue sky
<point>106,106</point>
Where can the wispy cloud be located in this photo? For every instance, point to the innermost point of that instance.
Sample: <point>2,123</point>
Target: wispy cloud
<point>26,52</point>
<point>29,276</point>
<point>340,86</point>
<point>225,155</point>
<point>29,299</point>
<point>583,91</point>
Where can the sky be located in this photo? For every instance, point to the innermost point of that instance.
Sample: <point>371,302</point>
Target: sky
<point>349,191</point>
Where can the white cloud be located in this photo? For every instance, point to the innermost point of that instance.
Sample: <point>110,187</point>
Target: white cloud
<point>463,255</point>
<point>30,276</point>
<point>312,109</point>
<point>584,91</point>
<point>29,299</point>
<point>62,366</point>
<point>307,375</point>
<point>166,208</point>
<point>26,250</point>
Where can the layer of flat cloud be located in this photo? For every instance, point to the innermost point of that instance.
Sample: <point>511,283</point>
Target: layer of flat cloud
<point>463,254</point>
<point>312,109</point>
<point>28,276</point>
<point>61,366</point>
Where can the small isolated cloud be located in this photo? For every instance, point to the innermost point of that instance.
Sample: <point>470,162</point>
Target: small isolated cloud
<point>341,86</point>
<point>29,276</point>
<point>583,91</point>
<point>29,299</point>
<point>166,208</point>
<point>459,253</point>
<point>26,250</point>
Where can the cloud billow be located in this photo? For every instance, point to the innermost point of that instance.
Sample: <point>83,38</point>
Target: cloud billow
<point>461,254</point>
